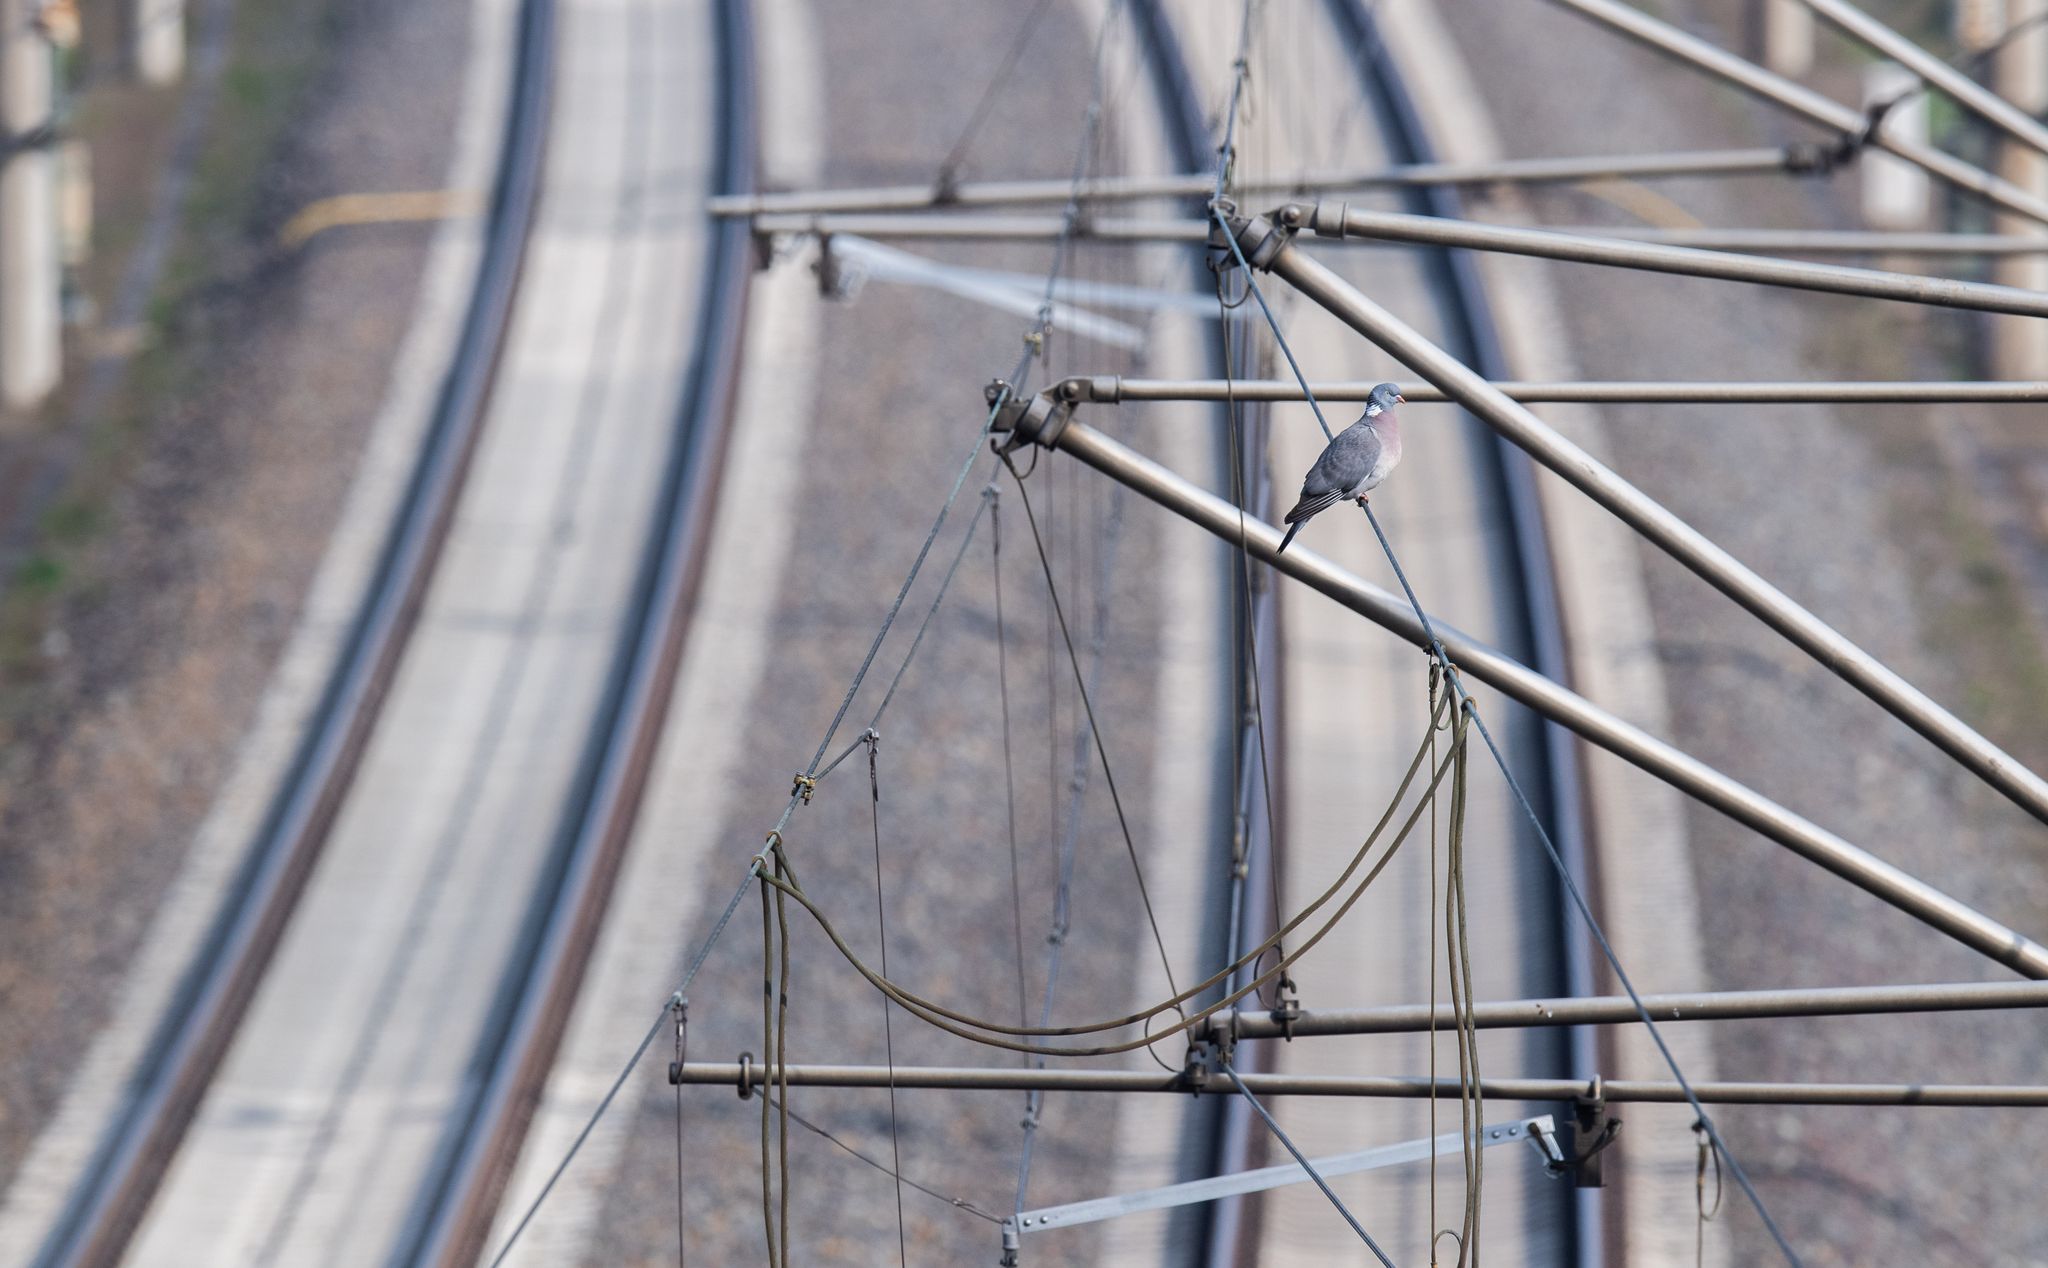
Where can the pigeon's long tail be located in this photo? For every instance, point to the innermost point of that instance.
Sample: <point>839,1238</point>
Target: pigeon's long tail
<point>1292,529</point>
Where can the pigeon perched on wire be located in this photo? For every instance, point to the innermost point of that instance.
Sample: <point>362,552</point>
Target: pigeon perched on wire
<point>1354,463</point>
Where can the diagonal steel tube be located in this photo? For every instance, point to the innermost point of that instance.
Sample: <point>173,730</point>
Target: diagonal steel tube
<point>1672,42</point>
<point>1670,533</point>
<point>1340,220</point>
<point>1111,389</point>
<point>1624,739</point>
<point>1966,92</point>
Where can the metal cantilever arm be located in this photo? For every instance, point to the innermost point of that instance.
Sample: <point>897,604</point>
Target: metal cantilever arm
<point>1271,249</point>
<point>1672,42</point>
<point>1053,426</point>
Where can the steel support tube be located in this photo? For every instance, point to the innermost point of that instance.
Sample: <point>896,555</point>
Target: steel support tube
<point>1966,92</point>
<point>1341,220</point>
<point>1671,534</point>
<point>1558,703</point>
<point>979,228</point>
<point>1754,161</point>
<point>1611,1010</point>
<point>1672,42</point>
<point>1111,389</point>
<point>1013,1079</point>
<point>1832,241</point>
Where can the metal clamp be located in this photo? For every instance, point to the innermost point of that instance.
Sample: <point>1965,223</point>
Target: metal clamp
<point>1258,238</point>
<point>1286,1007</point>
<point>746,1076</point>
<point>1578,1153</point>
<point>1209,1050</point>
<point>1032,420</point>
<point>675,1067</point>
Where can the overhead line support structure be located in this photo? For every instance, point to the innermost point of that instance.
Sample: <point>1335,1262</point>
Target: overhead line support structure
<point>1271,249</point>
<point>752,1077</point>
<point>1048,421</point>
<point>1855,127</point>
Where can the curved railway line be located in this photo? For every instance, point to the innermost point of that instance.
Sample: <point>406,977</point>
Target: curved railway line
<point>201,1020</point>
<point>451,1214</point>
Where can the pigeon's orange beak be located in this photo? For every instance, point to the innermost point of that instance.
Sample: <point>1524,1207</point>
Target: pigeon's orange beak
<point>1400,399</point>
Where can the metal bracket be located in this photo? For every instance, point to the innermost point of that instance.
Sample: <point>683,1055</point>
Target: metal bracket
<point>681,1007</point>
<point>1030,420</point>
<point>1578,1153</point>
<point>746,1079</point>
<point>1258,1181</point>
<point>1257,237</point>
<point>1286,1007</point>
<point>1209,1050</point>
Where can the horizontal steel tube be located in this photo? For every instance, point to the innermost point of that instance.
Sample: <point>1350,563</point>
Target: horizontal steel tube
<point>1672,42</point>
<point>1608,1010</point>
<point>1668,532</point>
<point>1701,252</point>
<point>1560,704</point>
<point>1013,1079</point>
<point>1200,184</point>
<point>1110,389</point>
<point>978,228</point>
<point>1967,92</point>
<point>1339,220</point>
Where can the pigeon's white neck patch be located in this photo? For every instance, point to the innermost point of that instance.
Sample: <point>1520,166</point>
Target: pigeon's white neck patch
<point>1372,409</point>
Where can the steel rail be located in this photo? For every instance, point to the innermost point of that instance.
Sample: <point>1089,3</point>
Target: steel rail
<point>749,1076</point>
<point>1343,221</point>
<point>201,1018</point>
<point>1624,739</point>
<point>1964,91</point>
<point>969,227</point>
<point>1671,534</point>
<point>1853,125</point>
<point>452,1218</point>
<point>1111,389</point>
<point>1618,1010</point>
<point>1538,171</point>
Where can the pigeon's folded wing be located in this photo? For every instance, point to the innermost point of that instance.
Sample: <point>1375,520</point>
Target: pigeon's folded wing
<point>1313,504</point>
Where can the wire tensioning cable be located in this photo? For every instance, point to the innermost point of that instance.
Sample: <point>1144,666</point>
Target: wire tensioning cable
<point>1302,1161</point>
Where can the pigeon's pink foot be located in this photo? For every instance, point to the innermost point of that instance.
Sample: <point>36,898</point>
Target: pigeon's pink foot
<point>1363,499</point>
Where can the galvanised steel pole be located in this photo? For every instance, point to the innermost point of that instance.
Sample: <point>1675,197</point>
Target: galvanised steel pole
<point>1111,389</point>
<point>1669,40</point>
<point>1271,250</point>
<point>1055,429</point>
<point>1613,1010</point>
<point>1527,171</point>
<point>1966,92</point>
<point>1068,1079</point>
<point>1340,220</point>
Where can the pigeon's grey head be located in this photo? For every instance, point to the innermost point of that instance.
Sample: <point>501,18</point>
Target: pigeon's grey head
<point>1382,398</point>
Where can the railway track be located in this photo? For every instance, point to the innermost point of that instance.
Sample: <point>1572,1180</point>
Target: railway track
<point>479,1127</point>
<point>201,1020</point>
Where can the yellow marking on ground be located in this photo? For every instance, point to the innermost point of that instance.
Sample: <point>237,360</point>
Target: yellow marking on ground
<point>1640,201</point>
<point>376,209</point>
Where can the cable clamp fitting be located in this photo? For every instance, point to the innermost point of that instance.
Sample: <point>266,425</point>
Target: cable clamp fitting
<point>804,786</point>
<point>1286,1007</point>
<point>681,1007</point>
<point>746,1076</point>
<point>1578,1153</point>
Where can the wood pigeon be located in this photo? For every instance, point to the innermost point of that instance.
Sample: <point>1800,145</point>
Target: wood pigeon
<point>1354,463</point>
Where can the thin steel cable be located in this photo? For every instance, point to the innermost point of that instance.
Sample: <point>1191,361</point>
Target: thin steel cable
<point>958,1204</point>
<point>1095,728</point>
<point>995,528</point>
<point>681,1022</point>
<point>950,166</point>
<point>767,1055</point>
<point>1302,1160</point>
<point>611,1093</point>
<point>888,1030</point>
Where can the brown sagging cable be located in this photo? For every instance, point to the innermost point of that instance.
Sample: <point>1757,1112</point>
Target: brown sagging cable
<point>1472,1107</point>
<point>1248,958</point>
<point>767,1055</point>
<point>944,1019</point>
<point>782,1055</point>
